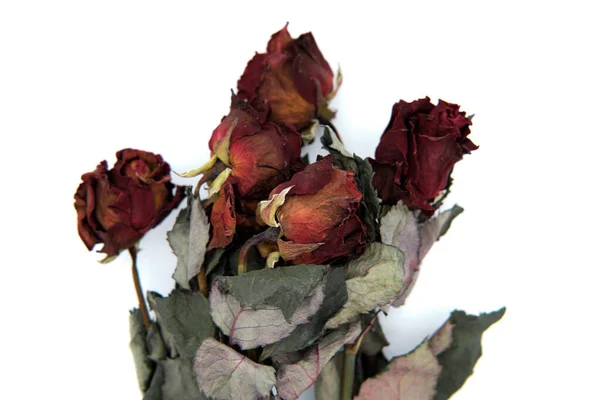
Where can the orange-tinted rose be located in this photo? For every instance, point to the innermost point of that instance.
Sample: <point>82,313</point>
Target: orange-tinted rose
<point>292,76</point>
<point>117,207</point>
<point>318,218</point>
<point>260,154</point>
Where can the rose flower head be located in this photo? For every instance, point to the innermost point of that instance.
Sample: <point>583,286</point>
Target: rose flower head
<point>293,77</point>
<point>117,207</point>
<point>317,214</point>
<point>417,152</point>
<point>253,156</point>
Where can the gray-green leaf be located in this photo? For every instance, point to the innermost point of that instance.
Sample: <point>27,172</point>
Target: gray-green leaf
<point>284,288</point>
<point>369,205</point>
<point>306,334</point>
<point>372,280</point>
<point>459,358</point>
<point>143,364</point>
<point>188,239</point>
<point>185,316</point>
<point>222,373</point>
<point>264,324</point>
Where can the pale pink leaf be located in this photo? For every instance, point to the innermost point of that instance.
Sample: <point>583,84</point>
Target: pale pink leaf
<point>222,373</point>
<point>294,378</point>
<point>259,326</point>
<point>410,377</point>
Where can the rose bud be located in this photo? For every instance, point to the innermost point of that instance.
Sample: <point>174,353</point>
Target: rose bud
<point>117,207</point>
<point>417,152</point>
<point>293,77</point>
<point>317,214</point>
<point>258,155</point>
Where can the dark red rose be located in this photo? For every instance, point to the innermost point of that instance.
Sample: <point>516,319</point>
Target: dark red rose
<point>292,76</point>
<point>260,154</point>
<point>417,151</point>
<point>117,207</point>
<point>317,213</point>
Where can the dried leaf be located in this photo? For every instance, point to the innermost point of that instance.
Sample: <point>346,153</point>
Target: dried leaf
<point>372,280</point>
<point>369,205</point>
<point>294,378</point>
<point>188,240</point>
<point>185,316</point>
<point>179,381</point>
<point>438,367</point>
<point>412,376</point>
<point>435,228</point>
<point>154,392</point>
<point>284,288</point>
<point>329,383</point>
<point>306,334</point>
<point>222,373</point>
<point>143,364</point>
<point>400,228</point>
<point>374,340</point>
<point>259,326</point>
<point>458,360</point>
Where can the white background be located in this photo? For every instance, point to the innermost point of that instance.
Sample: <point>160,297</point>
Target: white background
<point>81,80</point>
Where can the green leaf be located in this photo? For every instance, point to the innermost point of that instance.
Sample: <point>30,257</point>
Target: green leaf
<point>222,373</point>
<point>284,288</point>
<point>154,392</point>
<point>458,360</point>
<point>179,380</point>
<point>369,205</point>
<point>306,334</point>
<point>174,379</point>
<point>294,376</point>
<point>213,259</point>
<point>259,326</point>
<point>329,383</point>
<point>188,239</point>
<point>184,316</point>
<point>373,280</point>
<point>144,366</point>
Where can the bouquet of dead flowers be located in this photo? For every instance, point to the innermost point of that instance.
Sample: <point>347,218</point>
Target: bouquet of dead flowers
<point>284,265</point>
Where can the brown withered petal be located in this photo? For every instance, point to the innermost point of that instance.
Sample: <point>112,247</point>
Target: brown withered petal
<point>117,207</point>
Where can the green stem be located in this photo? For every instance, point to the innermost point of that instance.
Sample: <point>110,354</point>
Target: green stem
<point>138,287</point>
<point>348,377</point>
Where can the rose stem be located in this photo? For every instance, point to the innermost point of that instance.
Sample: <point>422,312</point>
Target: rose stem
<point>138,287</point>
<point>350,352</point>
<point>270,235</point>
<point>348,380</point>
<point>202,285</point>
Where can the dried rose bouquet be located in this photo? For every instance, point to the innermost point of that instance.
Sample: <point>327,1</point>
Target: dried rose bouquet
<point>284,265</point>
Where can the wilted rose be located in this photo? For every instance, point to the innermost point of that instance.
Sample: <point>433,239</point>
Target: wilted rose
<point>417,151</point>
<point>117,207</point>
<point>317,213</point>
<point>292,76</point>
<point>259,154</point>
